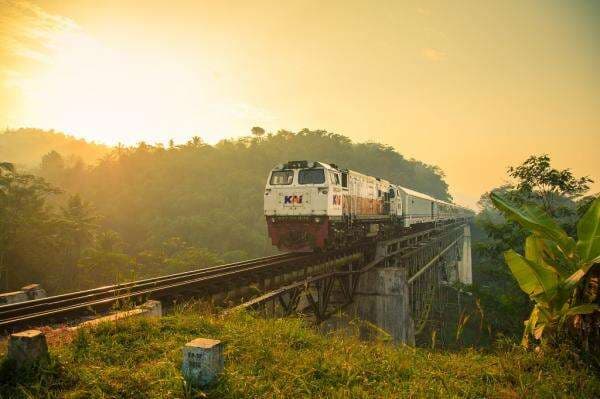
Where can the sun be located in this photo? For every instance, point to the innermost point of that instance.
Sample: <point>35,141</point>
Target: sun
<point>113,96</point>
<point>113,87</point>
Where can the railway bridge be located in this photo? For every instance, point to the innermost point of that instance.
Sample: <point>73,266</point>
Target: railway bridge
<point>398,284</point>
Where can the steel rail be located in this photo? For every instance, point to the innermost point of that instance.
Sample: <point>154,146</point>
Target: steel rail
<point>155,288</point>
<point>110,288</point>
<point>53,301</point>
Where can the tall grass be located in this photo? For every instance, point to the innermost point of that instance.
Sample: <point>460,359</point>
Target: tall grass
<point>284,358</point>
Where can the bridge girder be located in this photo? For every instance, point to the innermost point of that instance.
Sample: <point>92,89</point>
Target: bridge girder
<point>431,260</point>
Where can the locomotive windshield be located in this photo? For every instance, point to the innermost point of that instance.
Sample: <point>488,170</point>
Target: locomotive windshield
<point>282,177</point>
<point>311,176</point>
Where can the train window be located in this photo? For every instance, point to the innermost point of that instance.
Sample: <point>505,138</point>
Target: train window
<point>335,178</point>
<point>345,180</point>
<point>311,176</point>
<point>282,177</point>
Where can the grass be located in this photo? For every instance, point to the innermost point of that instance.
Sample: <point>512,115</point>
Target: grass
<point>141,358</point>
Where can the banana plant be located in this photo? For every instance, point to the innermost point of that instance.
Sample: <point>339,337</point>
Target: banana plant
<point>552,266</point>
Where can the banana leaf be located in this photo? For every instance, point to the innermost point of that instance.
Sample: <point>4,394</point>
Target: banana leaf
<point>534,279</point>
<point>588,234</point>
<point>535,219</point>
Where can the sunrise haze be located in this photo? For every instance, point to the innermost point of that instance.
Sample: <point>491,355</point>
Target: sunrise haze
<point>472,87</point>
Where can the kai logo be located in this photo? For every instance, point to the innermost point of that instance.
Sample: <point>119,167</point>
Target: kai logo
<point>337,199</point>
<point>292,199</point>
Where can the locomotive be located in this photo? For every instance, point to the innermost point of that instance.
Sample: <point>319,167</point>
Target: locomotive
<point>318,206</point>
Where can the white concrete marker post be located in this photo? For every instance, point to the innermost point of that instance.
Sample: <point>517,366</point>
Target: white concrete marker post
<point>154,307</point>
<point>202,361</point>
<point>27,347</point>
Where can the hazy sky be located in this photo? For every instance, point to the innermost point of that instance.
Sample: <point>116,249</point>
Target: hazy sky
<point>470,86</point>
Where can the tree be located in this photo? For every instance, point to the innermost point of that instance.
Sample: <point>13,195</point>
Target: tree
<point>53,161</point>
<point>258,131</point>
<point>6,167</point>
<point>538,180</point>
<point>79,225</point>
<point>553,266</point>
<point>27,229</point>
<point>195,142</point>
<point>104,262</point>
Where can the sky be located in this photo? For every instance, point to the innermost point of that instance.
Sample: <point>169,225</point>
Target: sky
<point>471,86</point>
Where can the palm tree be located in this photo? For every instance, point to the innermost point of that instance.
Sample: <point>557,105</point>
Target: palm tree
<point>79,219</point>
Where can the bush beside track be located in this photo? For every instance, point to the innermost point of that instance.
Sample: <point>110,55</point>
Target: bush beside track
<point>141,358</point>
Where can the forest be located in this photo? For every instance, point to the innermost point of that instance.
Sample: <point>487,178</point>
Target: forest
<point>69,221</point>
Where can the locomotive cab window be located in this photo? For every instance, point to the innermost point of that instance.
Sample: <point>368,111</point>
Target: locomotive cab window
<point>345,180</point>
<point>335,178</point>
<point>311,176</point>
<point>282,177</point>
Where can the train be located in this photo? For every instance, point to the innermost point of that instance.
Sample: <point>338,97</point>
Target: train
<point>315,206</point>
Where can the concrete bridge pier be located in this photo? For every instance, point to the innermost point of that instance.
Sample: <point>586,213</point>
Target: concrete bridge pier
<point>382,299</point>
<point>465,267</point>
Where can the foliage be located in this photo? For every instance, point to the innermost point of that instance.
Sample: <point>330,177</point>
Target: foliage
<point>553,265</point>
<point>105,261</point>
<point>285,358</point>
<point>534,181</point>
<point>258,131</point>
<point>27,231</point>
<point>66,248</point>
<point>537,179</point>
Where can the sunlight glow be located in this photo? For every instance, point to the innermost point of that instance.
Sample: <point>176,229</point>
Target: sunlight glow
<point>89,88</point>
<point>422,79</point>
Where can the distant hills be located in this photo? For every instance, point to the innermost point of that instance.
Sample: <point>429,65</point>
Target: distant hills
<point>26,146</point>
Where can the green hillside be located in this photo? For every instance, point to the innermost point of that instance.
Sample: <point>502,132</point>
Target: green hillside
<point>25,147</point>
<point>285,358</point>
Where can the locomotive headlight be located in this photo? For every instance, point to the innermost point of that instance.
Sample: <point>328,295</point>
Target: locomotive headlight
<point>323,190</point>
<point>317,220</point>
<point>272,220</point>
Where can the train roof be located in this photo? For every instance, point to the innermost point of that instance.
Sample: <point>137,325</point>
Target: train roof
<point>428,197</point>
<point>304,164</point>
<point>416,193</point>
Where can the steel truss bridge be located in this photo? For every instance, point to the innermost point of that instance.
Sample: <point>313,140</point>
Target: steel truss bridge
<point>431,262</point>
<point>425,263</point>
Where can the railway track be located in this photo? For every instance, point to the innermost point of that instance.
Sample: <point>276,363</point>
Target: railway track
<point>76,305</point>
<point>59,308</point>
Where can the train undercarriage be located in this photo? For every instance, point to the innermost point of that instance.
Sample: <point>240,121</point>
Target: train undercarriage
<point>323,233</point>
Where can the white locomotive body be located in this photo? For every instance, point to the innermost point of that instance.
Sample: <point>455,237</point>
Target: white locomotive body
<point>310,205</point>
